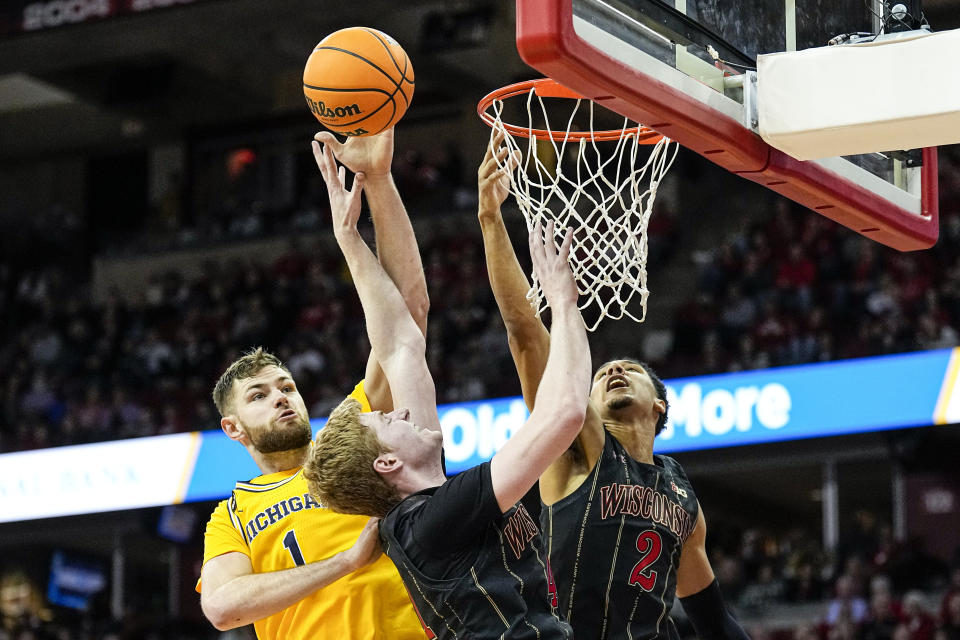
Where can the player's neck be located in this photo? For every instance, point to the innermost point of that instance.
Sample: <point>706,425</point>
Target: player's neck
<point>636,438</point>
<point>279,461</point>
<point>418,479</point>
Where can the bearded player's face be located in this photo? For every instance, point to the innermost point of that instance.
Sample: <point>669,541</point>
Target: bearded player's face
<point>271,411</point>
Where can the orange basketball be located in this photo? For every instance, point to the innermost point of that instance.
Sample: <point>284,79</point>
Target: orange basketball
<point>358,81</point>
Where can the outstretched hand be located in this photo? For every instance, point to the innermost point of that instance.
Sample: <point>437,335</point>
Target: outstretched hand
<point>372,155</point>
<point>344,204</point>
<point>551,266</point>
<point>367,547</point>
<point>493,176</point>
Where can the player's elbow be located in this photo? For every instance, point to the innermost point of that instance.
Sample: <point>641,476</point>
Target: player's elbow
<point>406,350</point>
<point>418,302</point>
<point>569,418</point>
<point>415,345</point>
<point>219,615</point>
<point>223,624</point>
<point>521,321</point>
<point>417,299</point>
<point>527,340</point>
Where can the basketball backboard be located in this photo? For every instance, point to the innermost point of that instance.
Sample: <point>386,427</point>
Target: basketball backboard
<point>679,67</point>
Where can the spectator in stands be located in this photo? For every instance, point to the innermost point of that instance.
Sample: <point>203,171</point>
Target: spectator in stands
<point>805,585</point>
<point>843,628</point>
<point>806,632</point>
<point>847,605</point>
<point>950,622</point>
<point>916,617</point>
<point>952,590</point>
<point>883,619</point>
<point>768,588</point>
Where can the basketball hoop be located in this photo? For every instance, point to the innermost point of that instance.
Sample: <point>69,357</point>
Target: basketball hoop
<point>602,196</point>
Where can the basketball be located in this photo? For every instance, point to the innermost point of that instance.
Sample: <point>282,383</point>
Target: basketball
<point>358,82</point>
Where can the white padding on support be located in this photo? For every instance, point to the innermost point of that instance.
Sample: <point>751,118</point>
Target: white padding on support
<point>861,98</point>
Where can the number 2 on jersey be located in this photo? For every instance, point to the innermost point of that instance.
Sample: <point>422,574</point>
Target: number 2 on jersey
<point>290,544</point>
<point>649,544</point>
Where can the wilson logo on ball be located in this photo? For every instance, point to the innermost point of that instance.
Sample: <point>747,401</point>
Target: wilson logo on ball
<point>358,79</point>
<point>323,111</point>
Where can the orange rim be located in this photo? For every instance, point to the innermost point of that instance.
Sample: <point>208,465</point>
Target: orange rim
<point>550,88</point>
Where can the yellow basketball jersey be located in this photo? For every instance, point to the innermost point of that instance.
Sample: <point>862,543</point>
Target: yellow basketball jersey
<point>274,521</point>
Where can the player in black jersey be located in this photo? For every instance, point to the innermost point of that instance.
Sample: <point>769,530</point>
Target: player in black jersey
<point>472,558</point>
<point>624,530</point>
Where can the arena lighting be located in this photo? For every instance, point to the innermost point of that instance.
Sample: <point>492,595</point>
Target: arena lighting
<point>772,405</point>
<point>38,15</point>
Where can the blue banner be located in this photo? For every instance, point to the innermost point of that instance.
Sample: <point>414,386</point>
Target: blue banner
<point>808,401</point>
<point>789,403</point>
<point>771,405</point>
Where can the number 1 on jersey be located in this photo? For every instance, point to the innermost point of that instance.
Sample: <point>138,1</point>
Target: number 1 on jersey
<point>290,544</point>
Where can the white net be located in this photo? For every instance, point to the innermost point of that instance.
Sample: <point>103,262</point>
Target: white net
<point>605,191</point>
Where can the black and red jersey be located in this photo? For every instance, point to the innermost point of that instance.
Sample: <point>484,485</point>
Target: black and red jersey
<point>473,572</point>
<point>615,543</point>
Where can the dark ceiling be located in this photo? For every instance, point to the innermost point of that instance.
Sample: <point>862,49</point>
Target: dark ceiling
<point>133,80</point>
<point>215,62</point>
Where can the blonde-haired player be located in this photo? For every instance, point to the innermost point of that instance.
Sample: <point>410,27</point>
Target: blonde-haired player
<point>274,556</point>
<point>470,554</point>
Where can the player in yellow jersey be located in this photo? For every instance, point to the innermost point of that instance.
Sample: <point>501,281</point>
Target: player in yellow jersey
<point>273,556</point>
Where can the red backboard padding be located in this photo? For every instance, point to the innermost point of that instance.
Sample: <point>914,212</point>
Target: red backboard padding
<point>547,42</point>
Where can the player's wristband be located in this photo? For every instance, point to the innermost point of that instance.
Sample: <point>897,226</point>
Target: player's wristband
<point>709,616</point>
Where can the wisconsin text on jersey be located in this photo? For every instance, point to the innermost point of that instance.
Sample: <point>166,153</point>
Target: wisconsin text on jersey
<point>275,513</point>
<point>638,500</point>
<point>520,529</point>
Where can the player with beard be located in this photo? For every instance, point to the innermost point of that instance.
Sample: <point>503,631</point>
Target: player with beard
<point>274,556</point>
<point>625,531</point>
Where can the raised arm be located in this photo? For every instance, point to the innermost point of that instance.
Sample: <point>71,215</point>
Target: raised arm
<point>528,338</point>
<point>396,244</point>
<point>394,336</point>
<point>561,400</point>
<point>232,595</point>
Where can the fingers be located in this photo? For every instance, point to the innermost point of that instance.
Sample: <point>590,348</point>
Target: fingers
<point>497,157</point>
<point>336,177</point>
<point>543,246</point>
<point>549,247</point>
<point>537,252</point>
<point>565,247</point>
<point>327,138</point>
<point>495,141</point>
<point>323,154</point>
<point>321,161</point>
<point>357,189</point>
<point>493,164</point>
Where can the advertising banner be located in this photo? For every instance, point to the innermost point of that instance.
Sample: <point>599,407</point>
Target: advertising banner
<point>772,405</point>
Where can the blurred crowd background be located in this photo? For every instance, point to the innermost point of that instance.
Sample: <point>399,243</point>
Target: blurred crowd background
<point>782,287</point>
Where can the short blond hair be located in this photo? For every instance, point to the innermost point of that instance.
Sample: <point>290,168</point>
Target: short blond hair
<point>247,366</point>
<point>339,468</point>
